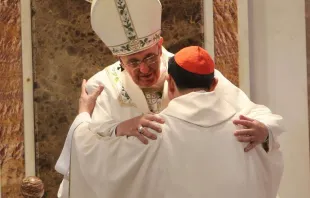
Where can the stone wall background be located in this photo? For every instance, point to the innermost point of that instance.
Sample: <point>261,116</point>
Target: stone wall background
<point>12,167</point>
<point>226,38</point>
<point>66,50</point>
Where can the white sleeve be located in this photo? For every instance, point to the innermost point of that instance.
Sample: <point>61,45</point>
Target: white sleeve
<point>63,163</point>
<point>239,100</point>
<point>273,122</point>
<point>103,122</point>
<point>63,191</point>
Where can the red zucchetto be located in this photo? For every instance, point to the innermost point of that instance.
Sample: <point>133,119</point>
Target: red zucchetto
<point>195,59</point>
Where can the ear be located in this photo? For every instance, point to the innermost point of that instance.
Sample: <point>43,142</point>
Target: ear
<point>171,84</point>
<point>168,77</point>
<point>214,83</point>
<point>160,44</point>
<point>161,41</point>
<point>120,58</point>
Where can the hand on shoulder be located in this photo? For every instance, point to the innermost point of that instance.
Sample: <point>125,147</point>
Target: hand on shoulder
<point>87,101</point>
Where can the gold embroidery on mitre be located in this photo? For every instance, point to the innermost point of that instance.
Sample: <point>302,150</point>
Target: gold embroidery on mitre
<point>134,45</point>
<point>124,14</point>
<point>142,43</point>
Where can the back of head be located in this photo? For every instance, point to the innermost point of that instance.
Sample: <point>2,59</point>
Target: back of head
<point>192,67</point>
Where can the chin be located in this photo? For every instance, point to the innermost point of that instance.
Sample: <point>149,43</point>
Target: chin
<point>147,84</point>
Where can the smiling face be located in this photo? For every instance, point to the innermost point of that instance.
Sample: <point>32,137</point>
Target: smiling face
<point>144,66</point>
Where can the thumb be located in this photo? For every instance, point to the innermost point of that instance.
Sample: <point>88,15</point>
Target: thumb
<point>242,117</point>
<point>83,88</point>
<point>98,91</point>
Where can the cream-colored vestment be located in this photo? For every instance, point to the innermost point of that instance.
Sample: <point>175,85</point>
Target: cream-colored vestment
<point>196,156</point>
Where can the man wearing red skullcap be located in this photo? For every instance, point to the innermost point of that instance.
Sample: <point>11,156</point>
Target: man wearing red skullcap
<point>196,155</point>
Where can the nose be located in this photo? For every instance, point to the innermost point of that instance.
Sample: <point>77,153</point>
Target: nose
<point>144,68</point>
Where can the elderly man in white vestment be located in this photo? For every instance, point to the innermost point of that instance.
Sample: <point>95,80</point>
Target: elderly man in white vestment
<point>135,86</point>
<point>196,155</point>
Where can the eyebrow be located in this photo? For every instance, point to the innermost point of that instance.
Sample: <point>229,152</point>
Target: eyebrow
<point>132,60</point>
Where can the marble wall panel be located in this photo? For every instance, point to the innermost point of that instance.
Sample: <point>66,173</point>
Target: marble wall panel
<point>182,24</point>
<point>226,38</point>
<point>66,50</point>
<point>12,168</point>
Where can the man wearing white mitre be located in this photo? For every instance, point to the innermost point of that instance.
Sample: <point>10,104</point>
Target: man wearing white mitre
<point>196,155</point>
<point>135,85</point>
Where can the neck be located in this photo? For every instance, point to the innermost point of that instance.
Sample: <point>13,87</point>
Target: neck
<point>187,91</point>
<point>179,93</point>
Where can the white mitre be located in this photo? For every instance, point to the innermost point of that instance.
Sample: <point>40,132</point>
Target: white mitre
<point>127,26</point>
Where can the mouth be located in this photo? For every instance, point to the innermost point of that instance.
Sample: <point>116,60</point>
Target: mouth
<point>146,77</point>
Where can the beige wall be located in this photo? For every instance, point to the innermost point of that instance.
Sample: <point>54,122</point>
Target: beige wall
<point>279,80</point>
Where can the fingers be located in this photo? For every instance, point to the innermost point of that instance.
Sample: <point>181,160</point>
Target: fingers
<point>246,138</point>
<point>250,146</point>
<point>142,138</point>
<point>154,117</point>
<point>83,88</point>
<point>145,133</point>
<point>151,125</point>
<point>242,117</point>
<point>148,134</point>
<point>243,132</point>
<point>245,123</point>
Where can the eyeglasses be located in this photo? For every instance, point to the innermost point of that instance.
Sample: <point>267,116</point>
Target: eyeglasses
<point>149,61</point>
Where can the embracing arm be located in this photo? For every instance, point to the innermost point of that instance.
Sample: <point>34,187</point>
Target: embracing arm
<point>86,106</point>
<point>273,122</point>
<point>261,121</point>
<point>63,162</point>
<point>260,127</point>
<point>102,121</point>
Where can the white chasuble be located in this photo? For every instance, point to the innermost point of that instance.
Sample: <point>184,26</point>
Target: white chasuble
<point>196,156</point>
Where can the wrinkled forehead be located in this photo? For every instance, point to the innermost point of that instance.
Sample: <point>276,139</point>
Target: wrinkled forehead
<point>141,55</point>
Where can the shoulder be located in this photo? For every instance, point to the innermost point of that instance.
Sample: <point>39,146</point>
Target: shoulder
<point>103,77</point>
<point>166,52</point>
<point>169,120</point>
<point>219,75</point>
